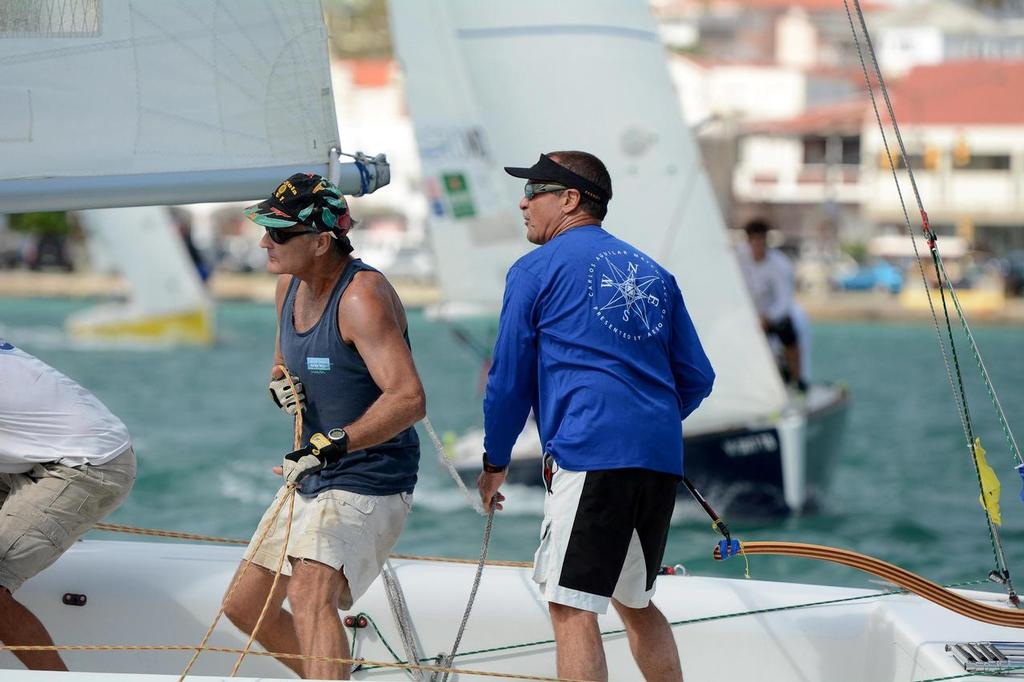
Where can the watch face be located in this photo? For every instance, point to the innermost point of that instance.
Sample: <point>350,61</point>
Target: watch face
<point>336,434</point>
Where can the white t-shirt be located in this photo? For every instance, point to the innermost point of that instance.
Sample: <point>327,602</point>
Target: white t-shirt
<point>770,282</point>
<point>47,417</point>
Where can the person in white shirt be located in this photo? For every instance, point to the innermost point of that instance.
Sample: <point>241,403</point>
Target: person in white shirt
<point>769,277</point>
<point>65,463</point>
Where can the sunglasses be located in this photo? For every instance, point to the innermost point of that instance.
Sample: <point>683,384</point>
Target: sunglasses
<point>279,236</point>
<point>532,189</point>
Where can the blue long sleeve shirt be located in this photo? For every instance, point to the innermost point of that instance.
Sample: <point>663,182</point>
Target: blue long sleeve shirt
<point>594,337</point>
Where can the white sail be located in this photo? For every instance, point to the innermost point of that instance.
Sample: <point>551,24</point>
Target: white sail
<point>114,103</point>
<point>133,102</point>
<point>166,300</point>
<point>494,84</point>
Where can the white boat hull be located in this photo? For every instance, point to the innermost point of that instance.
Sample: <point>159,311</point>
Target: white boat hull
<point>163,593</point>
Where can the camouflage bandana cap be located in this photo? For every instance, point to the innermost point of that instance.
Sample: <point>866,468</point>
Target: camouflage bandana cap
<point>304,199</point>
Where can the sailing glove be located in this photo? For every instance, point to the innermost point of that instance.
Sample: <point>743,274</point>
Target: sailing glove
<point>291,401</point>
<point>321,451</point>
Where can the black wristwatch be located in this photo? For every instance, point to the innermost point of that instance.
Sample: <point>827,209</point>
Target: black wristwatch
<point>330,447</point>
<point>492,469</point>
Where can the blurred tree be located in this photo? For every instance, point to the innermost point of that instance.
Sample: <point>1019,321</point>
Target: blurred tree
<point>41,223</point>
<point>358,28</point>
<point>858,251</point>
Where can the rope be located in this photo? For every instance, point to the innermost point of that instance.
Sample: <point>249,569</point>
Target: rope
<point>400,612</point>
<point>177,535</point>
<point>273,585</point>
<point>910,581</point>
<point>328,659</point>
<point>384,641</point>
<point>154,532</point>
<point>447,662</point>
<point>721,616</point>
<point>957,387</point>
<point>289,496</point>
<point>474,500</point>
<point>231,590</point>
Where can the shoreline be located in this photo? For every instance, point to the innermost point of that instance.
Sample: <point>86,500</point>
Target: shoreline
<point>259,288</point>
<point>222,286</point>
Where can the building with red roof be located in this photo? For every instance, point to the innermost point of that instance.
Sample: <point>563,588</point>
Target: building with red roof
<point>962,125</point>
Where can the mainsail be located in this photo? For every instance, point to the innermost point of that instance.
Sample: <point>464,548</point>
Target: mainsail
<point>127,103</point>
<point>113,103</point>
<point>493,84</point>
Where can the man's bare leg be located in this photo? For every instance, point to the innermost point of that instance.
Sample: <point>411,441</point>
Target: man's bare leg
<point>651,641</point>
<point>580,651</point>
<point>277,631</point>
<point>19,626</point>
<point>313,594</point>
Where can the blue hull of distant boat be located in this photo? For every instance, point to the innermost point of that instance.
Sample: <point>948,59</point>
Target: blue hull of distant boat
<point>741,470</point>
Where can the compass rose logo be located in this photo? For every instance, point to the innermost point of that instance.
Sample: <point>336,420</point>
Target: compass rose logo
<point>627,294</point>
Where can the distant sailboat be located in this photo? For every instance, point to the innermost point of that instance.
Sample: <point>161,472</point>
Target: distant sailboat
<point>490,85</point>
<point>122,103</point>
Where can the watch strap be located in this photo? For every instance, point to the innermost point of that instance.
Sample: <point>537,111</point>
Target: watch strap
<point>491,468</point>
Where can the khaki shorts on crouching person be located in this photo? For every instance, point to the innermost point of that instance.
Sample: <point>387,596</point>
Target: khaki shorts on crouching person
<point>44,510</point>
<point>347,531</point>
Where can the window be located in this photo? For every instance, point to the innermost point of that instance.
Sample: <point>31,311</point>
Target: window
<point>815,149</point>
<point>989,162</point>
<point>851,150</point>
<point>917,161</point>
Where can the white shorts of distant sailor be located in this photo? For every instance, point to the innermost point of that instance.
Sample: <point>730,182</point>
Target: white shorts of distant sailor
<point>347,531</point>
<point>603,535</point>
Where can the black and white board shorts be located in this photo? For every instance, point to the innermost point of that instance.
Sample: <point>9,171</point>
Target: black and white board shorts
<point>603,536</point>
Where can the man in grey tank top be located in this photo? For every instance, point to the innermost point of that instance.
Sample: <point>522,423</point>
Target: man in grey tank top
<point>343,337</point>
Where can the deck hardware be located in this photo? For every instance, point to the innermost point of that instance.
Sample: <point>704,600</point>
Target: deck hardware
<point>72,599</point>
<point>359,621</point>
<point>988,656</point>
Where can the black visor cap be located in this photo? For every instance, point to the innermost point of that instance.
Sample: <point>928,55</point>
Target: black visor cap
<point>547,170</point>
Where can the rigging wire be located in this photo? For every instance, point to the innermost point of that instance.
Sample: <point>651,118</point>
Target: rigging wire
<point>1001,573</point>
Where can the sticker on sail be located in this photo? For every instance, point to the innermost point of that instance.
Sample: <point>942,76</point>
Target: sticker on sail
<point>628,294</point>
<point>459,196</point>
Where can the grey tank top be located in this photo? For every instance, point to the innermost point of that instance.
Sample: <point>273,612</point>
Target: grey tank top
<point>339,389</point>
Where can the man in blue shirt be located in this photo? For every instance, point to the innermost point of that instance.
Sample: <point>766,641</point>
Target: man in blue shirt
<point>595,339</point>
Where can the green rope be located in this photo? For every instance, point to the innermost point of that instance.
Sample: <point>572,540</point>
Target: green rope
<point>989,387</point>
<point>384,641</point>
<point>979,673</point>
<point>705,619</point>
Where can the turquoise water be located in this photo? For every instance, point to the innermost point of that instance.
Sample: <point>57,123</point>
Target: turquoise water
<point>905,491</point>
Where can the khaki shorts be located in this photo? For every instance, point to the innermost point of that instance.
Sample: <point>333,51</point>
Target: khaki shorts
<point>44,510</point>
<point>347,531</point>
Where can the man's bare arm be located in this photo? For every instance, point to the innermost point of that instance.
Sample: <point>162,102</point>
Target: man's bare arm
<point>370,317</point>
<point>280,292</point>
